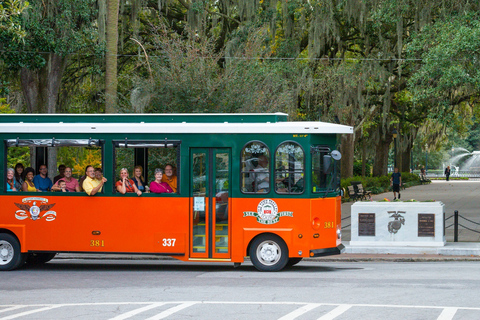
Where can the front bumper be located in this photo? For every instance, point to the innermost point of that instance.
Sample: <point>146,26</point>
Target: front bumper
<point>327,251</point>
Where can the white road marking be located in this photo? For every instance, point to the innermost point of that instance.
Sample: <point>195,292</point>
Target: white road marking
<point>171,311</point>
<point>335,312</point>
<point>26,313</point>
<point>298,312</point>
<point>137,311</point>
<point>11,308</point>
<point>447,314</point>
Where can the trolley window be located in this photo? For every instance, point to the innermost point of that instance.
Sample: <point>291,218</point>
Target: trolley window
<point>319,167</point>
<point>255,160</point>
<point>289,168</point>
<point>146,156</point>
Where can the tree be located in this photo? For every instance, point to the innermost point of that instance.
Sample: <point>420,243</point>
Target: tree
<point>10,10</point>
<point>111,56</point>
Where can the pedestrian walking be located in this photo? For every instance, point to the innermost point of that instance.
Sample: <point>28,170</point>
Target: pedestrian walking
<point>395,182</point>
<point>447,173</point>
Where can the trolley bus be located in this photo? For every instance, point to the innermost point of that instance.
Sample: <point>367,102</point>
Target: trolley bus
<point>248,185</point>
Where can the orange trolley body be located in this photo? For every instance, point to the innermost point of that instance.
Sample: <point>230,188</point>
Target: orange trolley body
<point>248,185</point>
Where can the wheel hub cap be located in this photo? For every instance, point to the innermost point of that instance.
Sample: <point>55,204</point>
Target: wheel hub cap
<point>269,253</point>
<point>6,252</point>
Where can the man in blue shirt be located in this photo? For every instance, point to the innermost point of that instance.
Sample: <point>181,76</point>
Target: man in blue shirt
<point>41,181</point>
<point>395,182</point>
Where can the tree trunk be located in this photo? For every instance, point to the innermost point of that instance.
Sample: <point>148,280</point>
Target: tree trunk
<point>364,157</point>
<point>347,151</point>
<point>41,87</point>
<point>111,81</point>
<point>405,158</point>
<point>380,166</point>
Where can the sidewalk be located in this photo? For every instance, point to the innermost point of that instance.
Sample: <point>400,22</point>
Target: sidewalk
<point>461,195</point>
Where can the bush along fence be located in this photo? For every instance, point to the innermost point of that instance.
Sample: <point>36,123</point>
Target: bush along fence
<point>380,184</point>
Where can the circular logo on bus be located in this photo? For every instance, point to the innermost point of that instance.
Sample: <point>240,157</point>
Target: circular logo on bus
<point>267,212</point>
<point>267,209</point>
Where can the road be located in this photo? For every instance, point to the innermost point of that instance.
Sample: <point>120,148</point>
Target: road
<point>150,289</point>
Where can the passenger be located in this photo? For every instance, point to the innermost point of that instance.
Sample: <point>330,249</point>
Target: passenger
<point>28,184</point>
<point>19,170</point>
<point>62,185</point>
<point>71,183</point>
<point>61,171</point>
<point>98,173</point>
<point>170,177</point>
<point>138,178</point>
<point>12,183</point>
<point>92,185</point>
<point>41,181</point>
<point>262,176</point>
<point>125,184</point>
<point>158,186</point>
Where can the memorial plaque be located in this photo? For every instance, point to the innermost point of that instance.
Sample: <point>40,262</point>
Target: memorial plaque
<point>366,224</point>
<point>426,225</point>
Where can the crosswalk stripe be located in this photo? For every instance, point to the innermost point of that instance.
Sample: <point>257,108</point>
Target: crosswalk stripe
<point>171,311</point>
<point>335,312</point>
<point>447,314</point>
<point>26,313</point>
<point>298,312</point>
<point>137,311</point>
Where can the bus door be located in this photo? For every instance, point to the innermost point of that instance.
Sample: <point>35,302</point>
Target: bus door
<point>210,206</point>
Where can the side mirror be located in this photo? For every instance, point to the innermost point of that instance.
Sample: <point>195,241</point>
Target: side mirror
<point>327,164</point>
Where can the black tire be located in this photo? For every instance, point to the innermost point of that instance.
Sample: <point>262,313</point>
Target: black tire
<point>37,258</point>
<point>10,255</point>
<point>293,261</point>
<point>268,252</point>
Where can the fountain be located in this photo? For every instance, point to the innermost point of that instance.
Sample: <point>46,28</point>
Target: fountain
<point>465,161</point>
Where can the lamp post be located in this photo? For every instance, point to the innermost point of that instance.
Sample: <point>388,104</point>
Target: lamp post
<point>426,159</point>
<point>394,133</point>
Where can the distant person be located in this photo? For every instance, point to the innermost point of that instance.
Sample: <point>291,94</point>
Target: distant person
<point>71,183</point>
<point>395,182</point>
<point>19,173</point>
<point>447,173</point>
<point>125,184</point>
<point>138,178</point>
<point>41,181</point>
<point>12,184</point>
<point>28,184</point>
<point>91,185</point>
<point>423,172</point>
<point>61,173</point>
<point>158,185</point>
<point>169,177</point>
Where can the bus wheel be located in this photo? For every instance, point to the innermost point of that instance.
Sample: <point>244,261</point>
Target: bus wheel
<point>269,252</point>
<point>293,261</point>
<point>37,258</point>
<point>10,255</point>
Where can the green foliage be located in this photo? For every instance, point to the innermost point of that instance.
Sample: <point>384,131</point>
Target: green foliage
<point>10,10</point>
<point>381,184</point>
<point>357,168</point>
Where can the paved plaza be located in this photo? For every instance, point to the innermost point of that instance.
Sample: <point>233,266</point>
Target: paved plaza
<point>461,195</point>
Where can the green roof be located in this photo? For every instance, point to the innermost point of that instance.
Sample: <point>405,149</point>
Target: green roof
<point>147,118</point>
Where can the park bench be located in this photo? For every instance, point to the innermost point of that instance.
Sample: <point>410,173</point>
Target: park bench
<point>352,193</point>
<point>363,193</point>
<point>424,179</point>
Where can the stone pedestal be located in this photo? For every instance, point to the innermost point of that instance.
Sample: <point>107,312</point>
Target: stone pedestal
<point>398,224</point>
